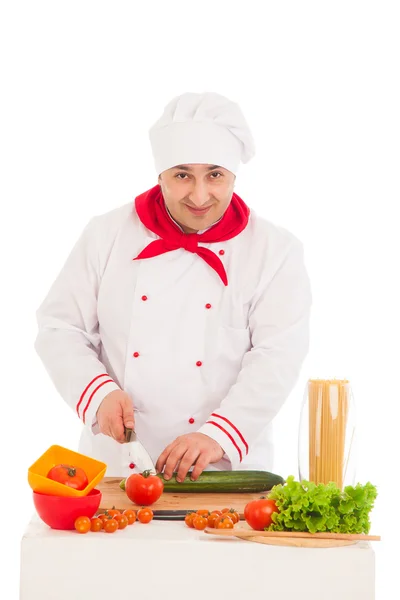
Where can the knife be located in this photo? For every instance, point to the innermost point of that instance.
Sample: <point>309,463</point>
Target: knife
<point>169,515</point>
<point>138,453</point>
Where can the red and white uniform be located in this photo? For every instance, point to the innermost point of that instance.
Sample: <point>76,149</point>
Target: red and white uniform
<point>192,353</point>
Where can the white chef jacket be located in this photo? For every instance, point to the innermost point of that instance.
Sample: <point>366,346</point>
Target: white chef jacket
<point>193,354</point>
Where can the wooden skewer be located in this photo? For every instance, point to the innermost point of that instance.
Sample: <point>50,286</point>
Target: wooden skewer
<point>245,533</point>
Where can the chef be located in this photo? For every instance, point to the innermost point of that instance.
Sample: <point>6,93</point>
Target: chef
<point>183,314</point>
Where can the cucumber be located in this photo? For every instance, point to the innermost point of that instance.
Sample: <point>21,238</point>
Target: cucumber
<point>221,482</point>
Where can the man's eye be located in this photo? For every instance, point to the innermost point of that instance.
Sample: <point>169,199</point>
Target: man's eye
<point>216,173</point>
<point>179,175</point>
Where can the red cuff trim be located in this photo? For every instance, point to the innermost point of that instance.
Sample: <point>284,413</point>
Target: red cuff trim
<point>92,394</point>
<point>229,436</point>
<point>86,389</point>
<point>233,427</point>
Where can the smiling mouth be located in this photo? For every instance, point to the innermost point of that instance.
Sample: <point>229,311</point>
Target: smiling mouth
<point>198,211</point>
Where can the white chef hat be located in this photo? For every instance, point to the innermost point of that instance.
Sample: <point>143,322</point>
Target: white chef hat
<point>201,128</point>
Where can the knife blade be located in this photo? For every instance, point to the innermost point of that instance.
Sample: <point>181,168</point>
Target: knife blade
<point>138,453</point>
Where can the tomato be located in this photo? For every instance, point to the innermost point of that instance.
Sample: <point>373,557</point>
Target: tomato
<point>216,512</point>
<point>258,513</point>
<point>225,510</point>
<point>189,518</point>
<point>130,515</point>
<point>145,515</point>
<point>103,516</point>
<point>200,522</point>
<point>203,513</point>
<point>113,511</point>
<point>143,489</point>
<point>96,524</point>
<point>233,515</point>
<point>223,517</point>
<point>212,519</point>
<point>73,477</point>
<point>110,525</point>
<point>122,521</point>
<point>225,523</point>
<point>82,524</point>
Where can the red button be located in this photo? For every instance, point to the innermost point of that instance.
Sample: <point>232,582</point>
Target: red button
<point>136,354</point>
<point>132,466</point>
<point>199,363</point>
<point>191,420</point>
<point>221,252</point>
<point>144,298</point>
<point>208,305</point>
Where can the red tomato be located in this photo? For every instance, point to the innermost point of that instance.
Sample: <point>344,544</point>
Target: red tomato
<point>145,515</point>
<point>82,524</point>
<point>74,477</point>
<point>143,489</point>
<point>130,515</point>
<point>258,513</point>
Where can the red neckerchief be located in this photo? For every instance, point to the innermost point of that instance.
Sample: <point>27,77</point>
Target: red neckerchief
<point>152,212</point>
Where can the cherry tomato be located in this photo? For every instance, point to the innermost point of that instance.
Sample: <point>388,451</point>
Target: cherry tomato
<point>113,511</point>
<point>225,523</point>
<point>96,524</point>
<point>143,488</point>
<point>258,513</point>
<point>73,477</point>
<point>203,513</point>
<point>200,522</point>
<point>225,510</point>
<point>103,516</point>
<point>216,512</point>
<point>145,515</point>
<point>212,519</point>
<point>189,518</point>
<point>82,524</point>
<point>233,515</point>
<point>223,517</point>
<point>130,515</point>
<point>122,521</point>
<point>110,525</point>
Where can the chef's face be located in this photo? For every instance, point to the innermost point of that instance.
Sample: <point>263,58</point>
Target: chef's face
<point>197,195</point>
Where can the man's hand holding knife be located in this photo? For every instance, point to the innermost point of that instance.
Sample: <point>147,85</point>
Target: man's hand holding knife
<point>197,450</point>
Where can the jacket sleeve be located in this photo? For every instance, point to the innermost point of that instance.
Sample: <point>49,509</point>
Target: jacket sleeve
<point>68,339</point>
<point>279,327</point>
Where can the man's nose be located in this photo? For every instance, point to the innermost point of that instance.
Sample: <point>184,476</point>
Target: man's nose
<point>199,196</point>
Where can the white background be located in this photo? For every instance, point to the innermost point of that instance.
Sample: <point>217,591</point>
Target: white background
<point>319,84</point>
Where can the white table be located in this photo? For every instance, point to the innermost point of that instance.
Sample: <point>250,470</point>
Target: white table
<point>170,561</point>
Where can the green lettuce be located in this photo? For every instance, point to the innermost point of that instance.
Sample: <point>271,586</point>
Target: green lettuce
<point>306,506</point>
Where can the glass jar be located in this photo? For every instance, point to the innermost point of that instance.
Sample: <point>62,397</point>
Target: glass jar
<point>327,445</point>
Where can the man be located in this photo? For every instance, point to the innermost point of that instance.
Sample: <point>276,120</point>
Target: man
<point>185,315</point>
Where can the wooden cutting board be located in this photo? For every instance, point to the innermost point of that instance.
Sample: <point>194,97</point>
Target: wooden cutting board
<point>292,538</point>
<point>112,495</point>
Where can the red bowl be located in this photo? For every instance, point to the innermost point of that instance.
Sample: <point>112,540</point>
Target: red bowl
<point>60,512</point>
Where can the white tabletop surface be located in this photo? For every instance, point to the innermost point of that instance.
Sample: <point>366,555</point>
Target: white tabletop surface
<point>169,560</point>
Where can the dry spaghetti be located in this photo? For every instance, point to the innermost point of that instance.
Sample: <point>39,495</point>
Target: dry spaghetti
<point>328,401</point>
